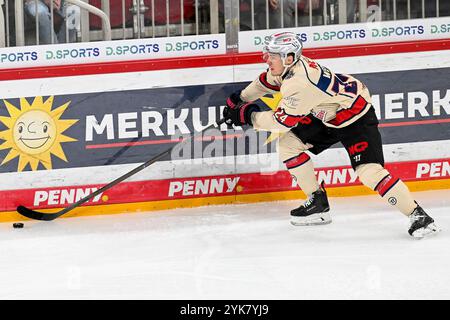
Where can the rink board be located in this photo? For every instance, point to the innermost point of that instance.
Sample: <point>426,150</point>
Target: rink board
<point>326,36</point>
<point>110,123</point>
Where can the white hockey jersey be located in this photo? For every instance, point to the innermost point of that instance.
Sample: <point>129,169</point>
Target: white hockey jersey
<point>336,99</point>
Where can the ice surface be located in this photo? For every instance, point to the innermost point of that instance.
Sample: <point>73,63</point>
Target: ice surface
<point>247,251</point>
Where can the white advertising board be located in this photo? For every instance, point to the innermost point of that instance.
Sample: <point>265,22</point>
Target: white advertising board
<point>356,33</point>
<point>107,51</point>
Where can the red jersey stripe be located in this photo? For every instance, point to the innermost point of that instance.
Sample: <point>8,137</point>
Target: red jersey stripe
<point>288,120</point>
<point>345,115</point>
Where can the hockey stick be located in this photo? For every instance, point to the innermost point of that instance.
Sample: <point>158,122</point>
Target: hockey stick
<point>36,215</point>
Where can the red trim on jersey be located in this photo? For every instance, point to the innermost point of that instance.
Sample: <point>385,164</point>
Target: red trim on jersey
<point>347,114</point>
<point>288,120</point>
<point>297,161</point>
<point>265,83</point>
<point>386,184</point>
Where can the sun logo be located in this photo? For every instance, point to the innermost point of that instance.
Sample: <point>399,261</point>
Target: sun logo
<point>272,103</point>
<point>34,133</point>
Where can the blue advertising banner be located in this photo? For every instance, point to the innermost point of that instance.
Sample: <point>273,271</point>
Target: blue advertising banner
<point>96,129</point>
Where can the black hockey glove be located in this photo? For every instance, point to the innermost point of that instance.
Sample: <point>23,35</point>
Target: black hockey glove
<point>237,111</point>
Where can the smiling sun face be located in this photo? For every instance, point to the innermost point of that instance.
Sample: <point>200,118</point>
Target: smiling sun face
<point>34,133</point>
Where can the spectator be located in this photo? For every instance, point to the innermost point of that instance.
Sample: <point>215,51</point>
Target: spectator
<point>159,14</point>
<point>351,11</point>
<point>260,14</point>
<point>303,12</point>
<point>274,7</point>
<point>8,9</point>
<point>2,26</point>
<point>274,14</point>
<point>47,32</point>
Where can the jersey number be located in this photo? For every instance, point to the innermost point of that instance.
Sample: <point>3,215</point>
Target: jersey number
<point>290,120</point>
<point>340,82</point>
<point>281,115</point>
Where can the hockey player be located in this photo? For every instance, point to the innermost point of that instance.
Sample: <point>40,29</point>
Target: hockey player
<point>318,109</point>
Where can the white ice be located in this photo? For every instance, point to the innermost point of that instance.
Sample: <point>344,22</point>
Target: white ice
<point>247,251</point>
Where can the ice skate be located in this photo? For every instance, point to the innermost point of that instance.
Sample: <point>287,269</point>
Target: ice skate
<point>314,211</point>
<point>422,225</point>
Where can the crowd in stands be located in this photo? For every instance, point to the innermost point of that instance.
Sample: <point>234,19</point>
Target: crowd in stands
<point>253,15</point>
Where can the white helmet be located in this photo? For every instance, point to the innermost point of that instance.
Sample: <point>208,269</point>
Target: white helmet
<point>284,43</point>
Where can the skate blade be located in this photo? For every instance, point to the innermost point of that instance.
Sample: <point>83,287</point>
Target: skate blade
<point>426,232</point>
<point>313,220</point>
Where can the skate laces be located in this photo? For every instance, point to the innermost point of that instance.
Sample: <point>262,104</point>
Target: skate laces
<point>417,215</point>
<point>309,201</point>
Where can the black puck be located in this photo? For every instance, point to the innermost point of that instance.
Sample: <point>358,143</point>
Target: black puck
<point>18,225</point>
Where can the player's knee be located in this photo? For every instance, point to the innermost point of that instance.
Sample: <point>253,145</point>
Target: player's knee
<point>371,174</point>
<point>286,152</point>
<point>290,147</point>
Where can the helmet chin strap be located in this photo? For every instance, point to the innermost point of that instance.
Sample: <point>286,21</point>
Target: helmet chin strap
<point>286,67</point>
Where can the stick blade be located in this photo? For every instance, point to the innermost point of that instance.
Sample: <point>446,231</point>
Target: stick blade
<point>35,215</point>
